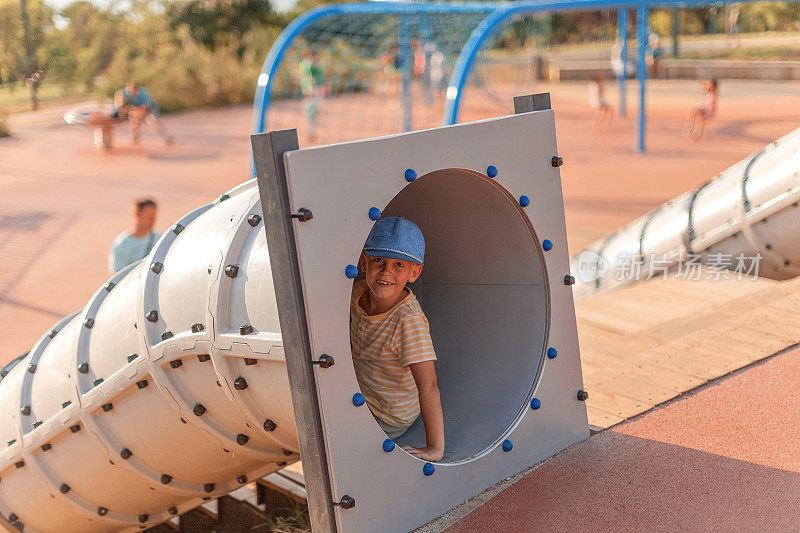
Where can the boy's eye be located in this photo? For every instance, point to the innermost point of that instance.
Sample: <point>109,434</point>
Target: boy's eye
<point>399,265</point>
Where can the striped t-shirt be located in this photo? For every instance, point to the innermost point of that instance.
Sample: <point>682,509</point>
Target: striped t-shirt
<point>383,347</point>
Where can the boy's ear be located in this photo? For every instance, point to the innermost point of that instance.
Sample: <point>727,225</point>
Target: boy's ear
<point>415,273</point>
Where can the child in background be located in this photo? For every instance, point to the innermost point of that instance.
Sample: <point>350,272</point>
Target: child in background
<point>696,122</point>
<point>390,338</point>
<point>603,112</point>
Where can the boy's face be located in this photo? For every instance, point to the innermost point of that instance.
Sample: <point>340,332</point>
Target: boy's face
<point>386,278</point>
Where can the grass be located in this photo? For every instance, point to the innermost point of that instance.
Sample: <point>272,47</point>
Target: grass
<point>785,53</point>
<point>16,97</point>
<point>296,521</point>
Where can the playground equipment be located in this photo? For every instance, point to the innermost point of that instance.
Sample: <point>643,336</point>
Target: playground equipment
<point>745,219</point>
<point>368,53</point>
<point>173,384</point>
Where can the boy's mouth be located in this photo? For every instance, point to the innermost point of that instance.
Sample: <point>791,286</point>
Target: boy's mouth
<point>383,283</point>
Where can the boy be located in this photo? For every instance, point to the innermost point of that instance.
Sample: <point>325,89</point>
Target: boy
<point>390,339</point>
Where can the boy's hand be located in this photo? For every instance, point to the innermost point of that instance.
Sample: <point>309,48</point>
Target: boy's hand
<point>428,453</point>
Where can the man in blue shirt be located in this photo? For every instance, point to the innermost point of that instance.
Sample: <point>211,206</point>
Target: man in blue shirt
<point>135,244</point>
<point>137,104</point>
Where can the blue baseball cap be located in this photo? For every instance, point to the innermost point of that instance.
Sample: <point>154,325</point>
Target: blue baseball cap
<point>396,238</point>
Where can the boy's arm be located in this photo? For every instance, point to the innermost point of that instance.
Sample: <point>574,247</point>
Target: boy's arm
<point>431,407</point>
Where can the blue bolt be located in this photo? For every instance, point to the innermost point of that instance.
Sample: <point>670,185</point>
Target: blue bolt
<point>547,244</point>
<point>388,445</point>
<point>552,353</point>
<point>351,271</point>
<point>428,469</point>
<point>491,171</point>
<point>358,399</point>
<point>536,403</point>
<point>410,175</point>
<point>374,213</point>
<point>524,201</point>
<point>507,445</point>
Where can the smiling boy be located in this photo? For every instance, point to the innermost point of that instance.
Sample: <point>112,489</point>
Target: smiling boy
<point>393,353</point>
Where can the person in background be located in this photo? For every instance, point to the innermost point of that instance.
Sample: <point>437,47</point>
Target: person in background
<point>134,244</point>
<point>312,84</point>
<point>137,105</point>
<point>696,122</point>
<point>603,112</point>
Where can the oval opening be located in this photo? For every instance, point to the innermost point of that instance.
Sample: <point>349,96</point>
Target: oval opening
<point>483,289</point>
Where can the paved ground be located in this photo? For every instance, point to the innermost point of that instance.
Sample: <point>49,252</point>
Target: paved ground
<point>62,202</point>
<point>723,458</point>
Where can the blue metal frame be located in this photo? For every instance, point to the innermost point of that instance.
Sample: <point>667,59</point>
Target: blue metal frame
<point>497,14</point>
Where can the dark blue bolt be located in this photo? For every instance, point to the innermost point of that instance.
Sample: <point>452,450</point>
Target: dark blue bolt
<point>388,445</point>
<point>547,245</point>
<point>507,445</point>
<point>552,353</point>
<point>358,399</point>
<point>351,271</point>
<point>374,213</point>
<point>410,175</point>
<point>524,201</point>
<point>491,171</point>
<point>428,469</point>
<point>536,403</point>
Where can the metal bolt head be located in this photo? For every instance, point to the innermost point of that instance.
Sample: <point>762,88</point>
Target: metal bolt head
<point>199,409</point>
<point>197,328</point>
<point>583,395</point>
<point>269,425</point>
<point>166,335</point>
<point>224,197</point>
<point>12,517</point>
<point>102,511</point>
<point>32,368</point>
<point>25,410</point>
<point>569,280</point>
<point>208,487</point>
<point>132,356</point>
<point>141,384</point>
<point>242,479</point>
<point>249,361</point>
<point>157,267</point>
<point>325,361</point>
<point>173,510</point>
<point>143,518</point>
<point>232,271</point>
<point>253,220</point>
<point>287,453</point>
<point>347,502</point>
<point>303,215</point>
<point>88,323</point>
<point>64,488</point>
<point>152,316</point>
<point>177,228</point>
<point>75,428</point>
<point>241,439</point>
<point>125,453</point>
<point>203,357</point>
<point>46,447</point>
<point>107,407</point>
<point>165,479</point>
<point>240,383</point>
<point>247,329</point>
<point>556,161</point>
<point>177,363</point>
<point>83,368</point>
<point>19,464</point>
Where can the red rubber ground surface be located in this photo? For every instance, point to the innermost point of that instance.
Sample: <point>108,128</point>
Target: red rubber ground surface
<point>725,458</point>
